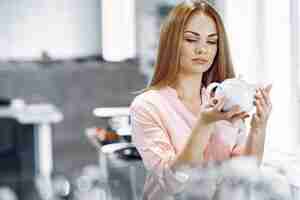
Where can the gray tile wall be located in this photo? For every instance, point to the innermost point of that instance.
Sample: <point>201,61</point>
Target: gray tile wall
<point>76,89</point>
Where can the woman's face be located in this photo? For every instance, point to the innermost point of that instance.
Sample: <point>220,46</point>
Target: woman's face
<point>200,43</point>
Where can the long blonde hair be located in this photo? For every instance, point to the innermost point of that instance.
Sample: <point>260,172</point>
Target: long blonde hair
<point>167,65</point>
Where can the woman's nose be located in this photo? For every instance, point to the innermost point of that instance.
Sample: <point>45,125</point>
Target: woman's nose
<point>201,50</point>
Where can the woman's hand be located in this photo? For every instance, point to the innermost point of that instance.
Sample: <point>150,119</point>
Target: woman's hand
<point>212,110</point>
<point>263,109</point>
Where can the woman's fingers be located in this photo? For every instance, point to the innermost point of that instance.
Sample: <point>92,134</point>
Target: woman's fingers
<point>266,93</point>
<point>268,88</point>
<point>263,102</point>
<point>255,120</point>
<point>265,96</point>
<point>233,111</point>
<point>217,102</point>
<point>242,115</point>
<point>259,108</point>
<point>220,104</point>
<point>259,96</point>
<point>263,108</point>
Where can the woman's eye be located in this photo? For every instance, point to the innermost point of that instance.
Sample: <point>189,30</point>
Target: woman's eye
<point>190,40</point>
<point>212,42</point>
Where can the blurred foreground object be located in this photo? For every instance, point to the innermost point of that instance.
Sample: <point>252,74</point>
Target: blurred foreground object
<point>238,178</point>
<point>91,184</point>
<point>7,193</point>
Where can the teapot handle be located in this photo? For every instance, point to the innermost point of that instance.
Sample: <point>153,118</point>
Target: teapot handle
<point>211,87</point>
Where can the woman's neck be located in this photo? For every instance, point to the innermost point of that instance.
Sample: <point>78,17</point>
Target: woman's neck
<point>188,87</point>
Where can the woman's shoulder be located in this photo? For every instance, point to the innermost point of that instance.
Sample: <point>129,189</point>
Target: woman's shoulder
<point>151,97</point>
<point>147,97</point>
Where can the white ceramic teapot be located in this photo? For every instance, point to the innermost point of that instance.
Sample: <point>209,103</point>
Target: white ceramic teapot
<point>236,92</point>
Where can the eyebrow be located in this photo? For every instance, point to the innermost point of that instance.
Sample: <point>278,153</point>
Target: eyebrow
<point>197,34</point>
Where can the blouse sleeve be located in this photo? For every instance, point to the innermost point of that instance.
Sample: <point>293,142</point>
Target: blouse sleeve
<point>155,147</point>
<point>239,147</point>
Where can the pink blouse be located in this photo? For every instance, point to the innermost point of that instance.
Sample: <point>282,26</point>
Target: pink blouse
<point>161,125</point>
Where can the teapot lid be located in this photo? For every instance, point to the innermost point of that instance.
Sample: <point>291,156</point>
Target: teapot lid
<point>238,82</point>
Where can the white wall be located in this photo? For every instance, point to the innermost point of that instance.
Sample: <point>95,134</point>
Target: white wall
<point>119,30</point>
<point>264,47</point>
<point>64,28</point>
<point>241,23</point>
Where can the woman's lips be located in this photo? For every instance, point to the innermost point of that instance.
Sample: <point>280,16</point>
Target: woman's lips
<point>200,60</point>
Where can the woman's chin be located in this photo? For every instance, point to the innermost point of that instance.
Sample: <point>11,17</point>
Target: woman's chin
<point>196,69</point>
<point>201,69</point>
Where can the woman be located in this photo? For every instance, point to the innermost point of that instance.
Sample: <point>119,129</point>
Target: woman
<point>175,121</point>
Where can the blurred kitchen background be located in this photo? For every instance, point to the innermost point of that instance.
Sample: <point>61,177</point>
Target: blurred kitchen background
<point>62,59</point>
